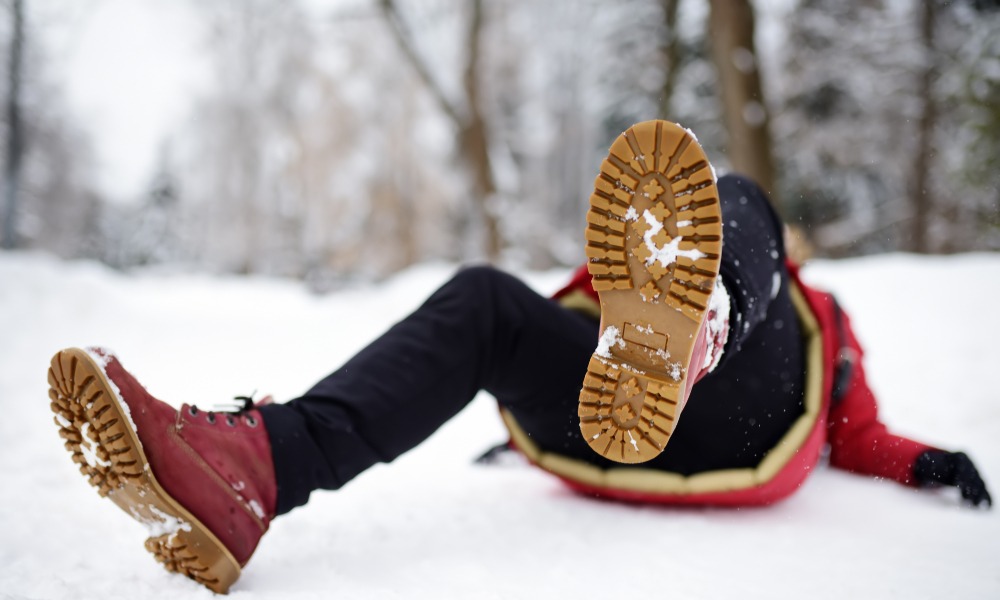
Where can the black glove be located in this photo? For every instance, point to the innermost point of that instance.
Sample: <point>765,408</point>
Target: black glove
<point>938,467</point>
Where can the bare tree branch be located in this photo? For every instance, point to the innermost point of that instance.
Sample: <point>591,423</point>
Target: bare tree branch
<point>473,135</point>
<point>405,42</point>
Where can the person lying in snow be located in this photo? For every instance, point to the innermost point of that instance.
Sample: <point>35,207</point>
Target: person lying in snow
<point>763,369</point>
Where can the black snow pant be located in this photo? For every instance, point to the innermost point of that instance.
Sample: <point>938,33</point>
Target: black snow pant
<point>486,330</point>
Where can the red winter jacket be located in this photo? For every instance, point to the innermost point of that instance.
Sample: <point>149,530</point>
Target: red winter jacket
<point>849,423</point>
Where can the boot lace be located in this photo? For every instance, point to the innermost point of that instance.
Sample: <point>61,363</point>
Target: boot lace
<point>231,410</point>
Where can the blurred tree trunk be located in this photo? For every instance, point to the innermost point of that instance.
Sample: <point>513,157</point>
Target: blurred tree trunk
<point>473,137</point>
<point>15,141</point>
<point>731,30</point>
<point>921,188</point>
<point>671,56</point>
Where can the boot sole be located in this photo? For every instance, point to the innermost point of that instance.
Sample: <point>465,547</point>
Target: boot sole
<point>654,199</point>
<point>99,433</point>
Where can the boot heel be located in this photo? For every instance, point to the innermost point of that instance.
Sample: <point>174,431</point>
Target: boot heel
<point>625,414</point>
<point>192,555</point>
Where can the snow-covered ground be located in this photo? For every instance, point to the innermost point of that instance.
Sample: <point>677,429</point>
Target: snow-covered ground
<point>433,525</point>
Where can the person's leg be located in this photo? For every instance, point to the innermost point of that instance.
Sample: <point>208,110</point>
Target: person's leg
<point>484,329</point>
<point>741,409</point>
<point>487,330</point>
<point>753,256</point>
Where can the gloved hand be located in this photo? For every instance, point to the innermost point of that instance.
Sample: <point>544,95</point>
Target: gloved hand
<point>938,467</point>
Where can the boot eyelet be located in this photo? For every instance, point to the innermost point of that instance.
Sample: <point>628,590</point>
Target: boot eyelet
<point>252,422</point>
<point>193,411</point>
<point>230,421</point>
<point>211,418</point>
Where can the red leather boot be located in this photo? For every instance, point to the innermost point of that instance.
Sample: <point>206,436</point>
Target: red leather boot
<point>202,482</point>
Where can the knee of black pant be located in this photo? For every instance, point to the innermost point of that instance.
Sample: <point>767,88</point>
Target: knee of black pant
<point>478,280</point>
<point>487,299</point>
<point>478,272</point>
<point>469,297</point>
<point>746,185</point>
<point>744,182</point>
<point>736,188</point>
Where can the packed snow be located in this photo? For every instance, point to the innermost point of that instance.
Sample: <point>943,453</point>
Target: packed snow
<point>435,525</point>
<point>667,254</point>
<point>609,338</point>
<point>718,323</point>
<point>161,524</point>
<point>102,356</point>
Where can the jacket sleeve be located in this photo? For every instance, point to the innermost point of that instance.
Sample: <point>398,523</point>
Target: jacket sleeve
<point>580,282</point>
<point>859,441</point>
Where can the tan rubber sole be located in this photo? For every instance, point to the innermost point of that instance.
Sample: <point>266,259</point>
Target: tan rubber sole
<point>99,434</point>
<point>654,239</point>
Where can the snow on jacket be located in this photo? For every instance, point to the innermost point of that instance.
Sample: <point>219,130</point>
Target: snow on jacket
<point>840,410</point>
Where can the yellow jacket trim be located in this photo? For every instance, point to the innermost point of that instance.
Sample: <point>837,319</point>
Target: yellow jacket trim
<point>646,480</point>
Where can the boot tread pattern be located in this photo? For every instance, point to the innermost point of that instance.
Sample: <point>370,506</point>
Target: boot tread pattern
<point>176,556</point>
<point>91,429</point>
<point>653,244</point>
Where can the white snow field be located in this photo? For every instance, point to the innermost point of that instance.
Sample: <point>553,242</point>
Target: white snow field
<point>434,525</point>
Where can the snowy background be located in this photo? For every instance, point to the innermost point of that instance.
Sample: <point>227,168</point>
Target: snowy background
<point>433,525</point>
<point>275,138</point>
